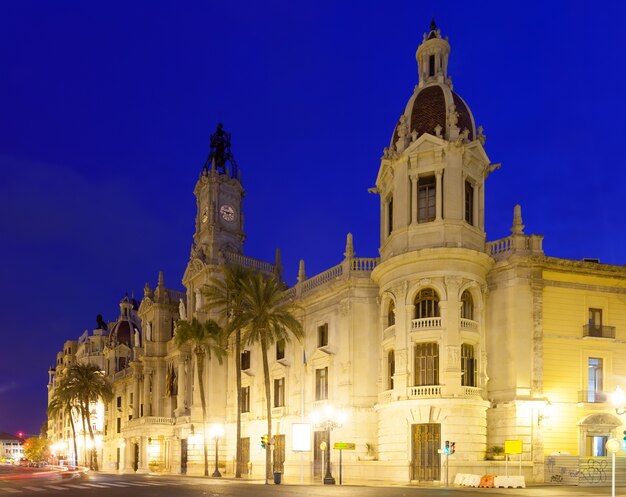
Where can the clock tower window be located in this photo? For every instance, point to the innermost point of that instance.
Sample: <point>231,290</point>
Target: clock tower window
<point>426,199</point>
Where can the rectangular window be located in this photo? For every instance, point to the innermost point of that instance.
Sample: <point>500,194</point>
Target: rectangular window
<point>119,403</point>
<point>390,216</point>
<point>426,198</point>
<point>119,425</point>
<point>280,349</point>
<point>321,384</point>
<point>595,322</point>
<point>468,366</point>
<point>245,399</point>
<point>279,392</point>
<point>322,335</point>
<point>431,65</point>
<point>245,360</point>
<point>594,380</point>
<point>427,364</point>
<point>469,203</point>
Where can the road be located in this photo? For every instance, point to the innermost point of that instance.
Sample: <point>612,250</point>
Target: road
<point>109,485</point>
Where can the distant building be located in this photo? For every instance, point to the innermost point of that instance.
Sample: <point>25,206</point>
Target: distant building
<point>11,448</point>
<point>444,339</point>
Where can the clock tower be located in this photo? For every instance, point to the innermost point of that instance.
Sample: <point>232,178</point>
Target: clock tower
<point>219,197</point>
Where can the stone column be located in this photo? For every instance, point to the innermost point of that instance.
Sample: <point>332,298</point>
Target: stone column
<point>136,397</point>
<point>147,379</point>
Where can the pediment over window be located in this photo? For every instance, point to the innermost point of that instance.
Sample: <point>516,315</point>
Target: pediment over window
<point>279,368</point>
<point>321,356</point>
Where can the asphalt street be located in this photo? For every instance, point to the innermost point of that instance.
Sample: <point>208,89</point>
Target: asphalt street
<point>94,485</point>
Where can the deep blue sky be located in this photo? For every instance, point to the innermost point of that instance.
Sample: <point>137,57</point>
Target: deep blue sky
<point>106,110</point>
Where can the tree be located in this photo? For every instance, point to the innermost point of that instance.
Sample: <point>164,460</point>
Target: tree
<point>206,340</point>
<point>265,318</point>
<point>63,403</point>
<point>226,296</point>
<point>86,384</point>
<point>36,449</point>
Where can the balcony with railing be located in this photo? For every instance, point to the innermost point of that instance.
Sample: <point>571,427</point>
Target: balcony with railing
<point>592,396</point>
<point>468,324</point>
<point>598,331</point>
<point>389,332</point>
<point>432,323</point>
<point>424,392</point>
<point>151,420</point>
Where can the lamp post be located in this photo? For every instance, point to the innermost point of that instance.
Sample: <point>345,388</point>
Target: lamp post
<point>328,418</point>
<point>619,400</point>
<point>216,431</point>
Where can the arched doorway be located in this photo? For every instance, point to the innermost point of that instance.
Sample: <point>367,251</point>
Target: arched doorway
<point>594,431</point>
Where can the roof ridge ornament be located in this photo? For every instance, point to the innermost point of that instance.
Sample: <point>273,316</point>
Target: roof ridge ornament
<point>221,158</point>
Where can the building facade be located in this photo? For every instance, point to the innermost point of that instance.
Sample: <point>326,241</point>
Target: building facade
<point>444,339</point>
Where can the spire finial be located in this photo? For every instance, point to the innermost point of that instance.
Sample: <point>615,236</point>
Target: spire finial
<point>161,284</point>
<point>301,272</point>
<point>278,266</point>
<point>433,25</point>
<point>518,224</point>
<point>349,253</point>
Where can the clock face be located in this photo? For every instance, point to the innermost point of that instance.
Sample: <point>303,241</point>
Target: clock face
<point>227,212</point>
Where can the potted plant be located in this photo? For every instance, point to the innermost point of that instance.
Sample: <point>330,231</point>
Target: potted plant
<point>496,453</point>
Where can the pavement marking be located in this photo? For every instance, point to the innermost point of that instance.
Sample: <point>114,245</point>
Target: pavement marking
<point>136,484</point>
<point>12,490</point>
<point>82,487</point>
<point>36,489</point>
<point>96,485</point>
<point>116,484</point>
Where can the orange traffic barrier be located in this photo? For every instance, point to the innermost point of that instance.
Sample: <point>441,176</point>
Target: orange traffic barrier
<point>486,481</point>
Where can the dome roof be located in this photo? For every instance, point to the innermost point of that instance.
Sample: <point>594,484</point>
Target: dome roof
<point>430,106</point>
<point>121,333</point>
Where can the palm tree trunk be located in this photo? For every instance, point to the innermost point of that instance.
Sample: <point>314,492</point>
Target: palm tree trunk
<point>82,416</point>
<point>200,359</point>
<point>239,400</point>
<point>268,405</point>
<point>94,450</point>
<point>74,438</point>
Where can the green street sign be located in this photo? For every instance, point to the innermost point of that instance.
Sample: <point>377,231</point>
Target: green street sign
<point>344,446</point>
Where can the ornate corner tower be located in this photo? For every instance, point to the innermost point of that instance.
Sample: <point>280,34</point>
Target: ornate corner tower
<point>431,177</point>
<point>219,198</point>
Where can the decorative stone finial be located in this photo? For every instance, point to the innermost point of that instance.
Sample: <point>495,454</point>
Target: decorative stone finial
<point>349,253</point>
<point>433,26</point>
<point>146,290</point>
<point>278,267</point>
<point>518,226</point>
<point>301,273</point>
<point>161,279</point>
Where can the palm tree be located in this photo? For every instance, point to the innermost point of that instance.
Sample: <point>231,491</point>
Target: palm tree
<point>87,384</point>
<point>62,403</point>
<point>265,318</point>
<point>226,295</point>
<point>206,339</point>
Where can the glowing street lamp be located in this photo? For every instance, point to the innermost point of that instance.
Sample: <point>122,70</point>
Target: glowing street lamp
<point>619,400</point>
<point>328,418</point>
<point>216,431</point>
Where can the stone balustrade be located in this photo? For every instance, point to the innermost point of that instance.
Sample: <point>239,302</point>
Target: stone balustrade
<point>426,323</point>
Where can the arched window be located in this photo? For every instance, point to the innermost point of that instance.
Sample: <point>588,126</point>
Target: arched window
<point>391,368</point>
<point>391,313</point>
<point>426,304</point>
<point>468,366</point>
<point>467,306</point>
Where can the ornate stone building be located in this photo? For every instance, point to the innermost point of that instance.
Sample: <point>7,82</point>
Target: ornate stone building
<point>443,338</point>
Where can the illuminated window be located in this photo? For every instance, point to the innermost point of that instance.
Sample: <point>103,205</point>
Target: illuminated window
<point>594,380</point>
<point>426,304</point>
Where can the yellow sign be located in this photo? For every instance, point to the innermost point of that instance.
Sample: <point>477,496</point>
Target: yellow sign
<point>512,446</point>
<point>344,446</point>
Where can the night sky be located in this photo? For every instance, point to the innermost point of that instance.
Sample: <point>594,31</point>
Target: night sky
<point>106,110</point>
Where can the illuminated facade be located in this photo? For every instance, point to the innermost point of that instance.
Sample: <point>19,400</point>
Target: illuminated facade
<point>443,337</point>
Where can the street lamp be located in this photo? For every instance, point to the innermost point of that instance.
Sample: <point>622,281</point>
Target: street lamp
<point>327,419</point>
<point>216,431</point>
<point>618,399</point>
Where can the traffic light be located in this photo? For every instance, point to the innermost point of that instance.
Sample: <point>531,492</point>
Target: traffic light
<point>446,449</point>
<point>624,441</point>
<point>21,434</point>
<point>264,441</point>
<point>452,447</point>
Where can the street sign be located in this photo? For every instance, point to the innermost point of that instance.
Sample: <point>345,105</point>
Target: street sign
<point>512,446</point>
<point>344,446</point>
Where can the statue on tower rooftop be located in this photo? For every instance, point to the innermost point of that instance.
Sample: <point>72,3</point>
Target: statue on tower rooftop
<point>220,155</point>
